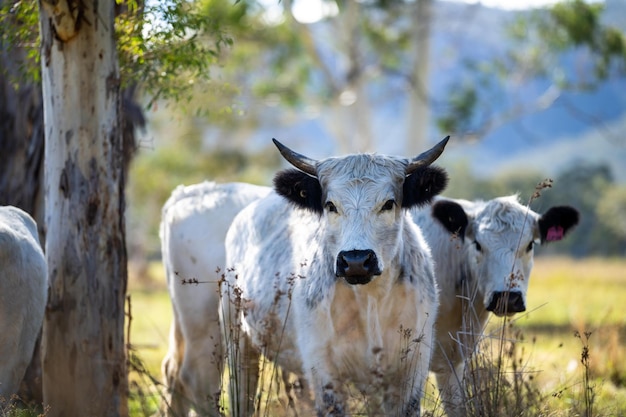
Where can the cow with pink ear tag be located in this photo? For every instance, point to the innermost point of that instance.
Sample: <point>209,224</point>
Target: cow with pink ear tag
<point>483,252</point>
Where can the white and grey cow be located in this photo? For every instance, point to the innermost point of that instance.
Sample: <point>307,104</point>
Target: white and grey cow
<point>23,295</point>
<point>193,227</point>
<point>483,252</point>
<point>332,279</point>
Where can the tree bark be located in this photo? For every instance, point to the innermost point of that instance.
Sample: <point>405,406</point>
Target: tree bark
<point>84,367</point>
<point>418,117</point>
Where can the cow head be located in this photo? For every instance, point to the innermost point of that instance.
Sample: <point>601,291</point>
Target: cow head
<point>499,238</point>
<point>361,201</point>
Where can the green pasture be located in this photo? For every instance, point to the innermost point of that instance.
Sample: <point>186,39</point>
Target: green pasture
<point>574,306</point>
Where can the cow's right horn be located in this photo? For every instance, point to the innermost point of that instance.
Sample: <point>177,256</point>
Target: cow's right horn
<point>426,158</point>
<point>299,161</point>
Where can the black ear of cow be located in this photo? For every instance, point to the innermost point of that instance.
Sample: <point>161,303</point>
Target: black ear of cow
<point>451,216</point>
<point>556,222</point>
<point>300,189</point>
<point>422,185</point>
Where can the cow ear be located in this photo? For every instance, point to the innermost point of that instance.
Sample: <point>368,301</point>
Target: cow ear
<point>556,222</point>
<point>300,189</point>
<point>422,185</point>
<point>451,216</point>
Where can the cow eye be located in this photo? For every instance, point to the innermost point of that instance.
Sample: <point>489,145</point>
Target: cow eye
<point>330,207</point>
<point>530,246</point>
<point>478,247</point>
<point>388,205</point>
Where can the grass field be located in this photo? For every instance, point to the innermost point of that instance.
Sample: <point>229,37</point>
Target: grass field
<point>574,307</point>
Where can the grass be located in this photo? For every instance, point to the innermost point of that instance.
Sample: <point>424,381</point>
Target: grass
<point>568,352</point>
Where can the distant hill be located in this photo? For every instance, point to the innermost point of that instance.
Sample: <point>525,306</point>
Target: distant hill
<point>606,145</point>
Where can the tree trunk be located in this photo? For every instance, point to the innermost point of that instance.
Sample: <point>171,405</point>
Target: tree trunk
<point>418,117</point>
<point>84,368</point>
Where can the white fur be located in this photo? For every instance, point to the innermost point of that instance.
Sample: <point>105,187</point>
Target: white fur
<point>284,299</point>
<point>194,223</point>
<point>23,295</point>
<point>467,279</point>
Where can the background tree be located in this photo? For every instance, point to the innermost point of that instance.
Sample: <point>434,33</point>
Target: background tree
<point>544,41</point>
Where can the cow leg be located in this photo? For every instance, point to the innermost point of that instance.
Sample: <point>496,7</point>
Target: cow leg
<point>201,370</point>
<point>242,357</point>
<point>450,383</point>
<point>404,399</point>
<point>175,396</point>
<point>329,396</point>
<point>298,394</point>
<point>243,365</point>
<point>329,401</point>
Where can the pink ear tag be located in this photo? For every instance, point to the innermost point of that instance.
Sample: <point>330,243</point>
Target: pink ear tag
<point>554,233</point>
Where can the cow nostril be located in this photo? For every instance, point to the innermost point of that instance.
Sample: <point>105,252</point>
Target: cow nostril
<point>506,303</point>
<point>357,263</point>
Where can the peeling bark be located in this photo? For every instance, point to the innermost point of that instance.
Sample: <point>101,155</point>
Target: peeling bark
<point>84,368</point>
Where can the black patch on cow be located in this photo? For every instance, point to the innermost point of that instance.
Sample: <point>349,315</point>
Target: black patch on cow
<point>331,406</point>
<point>300,189</point>
<point>422,185</point>
<point>412,407</point>
<point>564,216</point>
<point>451,216</point>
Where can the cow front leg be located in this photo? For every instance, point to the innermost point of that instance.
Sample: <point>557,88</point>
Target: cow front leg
<point>329,401</point>
<point>329,396</point>
<point>403,398</point>
<point>407,402</point>
<point>451,388</point>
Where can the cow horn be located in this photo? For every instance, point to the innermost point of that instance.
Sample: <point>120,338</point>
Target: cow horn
<point>426,158</point>
<point>299,161</point>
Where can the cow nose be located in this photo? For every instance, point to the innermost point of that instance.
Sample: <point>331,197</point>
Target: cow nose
<point>506,303</point>
<point>357,266</point>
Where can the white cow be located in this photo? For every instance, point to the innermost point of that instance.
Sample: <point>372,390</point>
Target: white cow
<point>23,295</point>
<point>332,279</point>
<point>193,227</point>
<point>483,267</point>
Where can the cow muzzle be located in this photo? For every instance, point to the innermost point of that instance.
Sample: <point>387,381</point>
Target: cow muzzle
<point>357,266</point>
<point>506,303</point>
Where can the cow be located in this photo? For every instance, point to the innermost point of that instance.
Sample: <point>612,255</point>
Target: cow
<point>330,278</point>
<point>483,252</point>
<point>193,227</point>
<point>23,295</point>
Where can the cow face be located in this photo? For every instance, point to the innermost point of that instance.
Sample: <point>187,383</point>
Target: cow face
<point>499,239</point>
<point>361,202</point>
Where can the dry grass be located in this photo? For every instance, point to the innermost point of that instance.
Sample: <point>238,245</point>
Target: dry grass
<point>542,368</point>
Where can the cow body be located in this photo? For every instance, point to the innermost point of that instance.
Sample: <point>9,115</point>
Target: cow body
<point>333,280</point>
<point>193,228</point>
<point>23,295</point>
<point>483,254</point>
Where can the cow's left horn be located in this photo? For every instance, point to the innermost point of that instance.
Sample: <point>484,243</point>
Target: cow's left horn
<point>299,161</point>
<point>426,158</point>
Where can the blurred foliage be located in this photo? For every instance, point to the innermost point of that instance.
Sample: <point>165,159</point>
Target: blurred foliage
<point>168,47</point>
<point>183,161</point>
<point>542,43</point>
<point>165,47</point>
<point>611,211</point>
<point>19,30</point>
